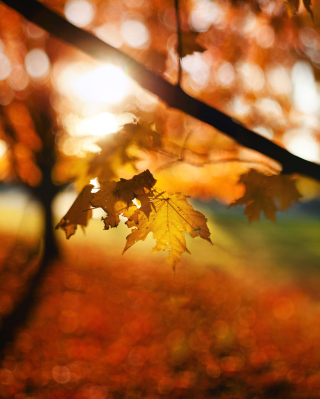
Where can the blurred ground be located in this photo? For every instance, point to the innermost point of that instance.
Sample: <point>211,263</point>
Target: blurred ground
<point>239,319</point>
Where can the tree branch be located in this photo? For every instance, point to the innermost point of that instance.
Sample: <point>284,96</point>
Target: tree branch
<point>174,96</point>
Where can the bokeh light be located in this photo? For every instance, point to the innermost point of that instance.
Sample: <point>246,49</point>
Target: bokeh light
<point>110,33</point>
<point>135,34</point>
<point>204,14</point>
<point>252,76</point>
<point>18,79</point>
<point>265,36</point>
<point>305,95</point>
<point>226,74</point>
<point>37,64</point>
<point>198,69</point>
<point>279,80</point>
<point>79,12</point>
<point>5,66</point>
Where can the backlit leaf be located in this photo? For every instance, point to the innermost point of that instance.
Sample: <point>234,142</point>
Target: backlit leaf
<point>170,218</point>
<point>78,214</point>
<point>266,194</point>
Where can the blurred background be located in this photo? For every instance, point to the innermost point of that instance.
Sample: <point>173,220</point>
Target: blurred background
<point>237,319</point>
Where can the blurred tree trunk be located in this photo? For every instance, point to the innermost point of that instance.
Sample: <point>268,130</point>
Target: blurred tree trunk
<point>45,123</point>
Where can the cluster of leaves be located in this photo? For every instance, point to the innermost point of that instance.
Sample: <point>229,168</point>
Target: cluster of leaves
<point>168,217</point>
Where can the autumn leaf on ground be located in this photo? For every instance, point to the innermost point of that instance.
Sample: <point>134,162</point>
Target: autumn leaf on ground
<point>78,214</point>
<point>189,44</point>
<point>170,218</point>
<point>266,194</point>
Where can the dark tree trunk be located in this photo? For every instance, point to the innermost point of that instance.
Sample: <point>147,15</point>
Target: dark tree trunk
<point>50,251</point>
<point>45,123</point>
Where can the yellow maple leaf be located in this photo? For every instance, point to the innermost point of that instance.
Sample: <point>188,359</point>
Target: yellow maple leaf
<point>267,194</point>
<point>170,218</point>
<point>79,213</point>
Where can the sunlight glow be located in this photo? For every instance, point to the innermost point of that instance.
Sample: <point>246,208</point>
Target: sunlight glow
<point>105,84</point>
<point>79,12</point>
<point>37,63</point>
<point>98,125</point>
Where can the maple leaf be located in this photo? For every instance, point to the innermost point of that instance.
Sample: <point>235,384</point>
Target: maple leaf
<point>140,184</point>
<point>106,200</point>
<point>116,152</point>
<point>284,190</point>
<point>114,197</point>
<point>170,218</point>
<point>78,214</point>
<point>167,217</point>
<point>266,194</point>
<point>189,44</point>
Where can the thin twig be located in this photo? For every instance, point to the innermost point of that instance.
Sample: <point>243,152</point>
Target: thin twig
<point>179,39</point>
<point>202,164</point>
<point>185,144</point>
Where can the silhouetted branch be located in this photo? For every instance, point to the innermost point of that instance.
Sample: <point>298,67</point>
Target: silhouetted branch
<point>174,96</point>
